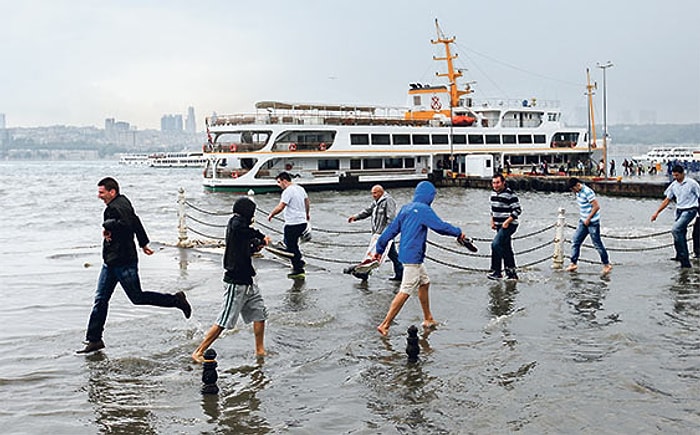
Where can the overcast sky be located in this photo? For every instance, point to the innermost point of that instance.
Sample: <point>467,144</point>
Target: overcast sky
<point>79,62</point>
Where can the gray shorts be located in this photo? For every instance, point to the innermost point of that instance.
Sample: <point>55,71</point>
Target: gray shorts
<point>244,300</point>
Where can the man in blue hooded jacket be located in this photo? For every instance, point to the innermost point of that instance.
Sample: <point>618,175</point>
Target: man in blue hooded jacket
<point>412,222</point>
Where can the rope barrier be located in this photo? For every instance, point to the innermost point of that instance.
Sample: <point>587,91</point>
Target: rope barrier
<point>206,223</point>
<point>214,213</point>
<point>320,230</point>
<point>643,236</point>
<point>205,235</point>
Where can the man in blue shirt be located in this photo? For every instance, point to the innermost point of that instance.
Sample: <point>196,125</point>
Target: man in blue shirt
<point>686,192</point>
<point>588,224</point>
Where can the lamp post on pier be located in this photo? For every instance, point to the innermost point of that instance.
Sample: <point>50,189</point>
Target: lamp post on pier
<point>604,67</point>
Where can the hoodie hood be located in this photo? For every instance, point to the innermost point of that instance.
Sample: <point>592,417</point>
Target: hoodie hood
<point>425,192</point>
<point>245,208</point>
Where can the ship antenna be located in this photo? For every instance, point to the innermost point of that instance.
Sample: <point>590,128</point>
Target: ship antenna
<point>452,74</point>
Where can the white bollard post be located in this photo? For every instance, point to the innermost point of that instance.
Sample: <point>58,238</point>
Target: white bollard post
<point>558,257</point>
<point>182,241</point>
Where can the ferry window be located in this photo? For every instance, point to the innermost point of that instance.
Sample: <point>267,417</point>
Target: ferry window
<point>409,163</point>
<point>508,138</point>
<point>380,139</point>
<point>327,165</point>
<point>355,164</point>
<point>402,139</point>
<point>532,160</point>
<point>540,138</point>
<point>517,160</point>
<point>476,139</point>
<point>393,163</point>
<point>372,164</point>
<point>493,139</point>
<point>421,139</point>
<point>524,138</point>
<point>359,139</point>
<point>440,139</point>
<point>416,100</point>
<point>459,138</point>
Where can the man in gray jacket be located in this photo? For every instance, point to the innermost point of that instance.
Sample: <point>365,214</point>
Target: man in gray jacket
<point>383,211</point>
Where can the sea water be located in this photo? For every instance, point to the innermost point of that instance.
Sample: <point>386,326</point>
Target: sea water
<point>555,352</point>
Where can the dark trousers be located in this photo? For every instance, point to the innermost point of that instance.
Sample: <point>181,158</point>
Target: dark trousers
<point>291,241</point>
<point>394,257</point>
<point>696,237</point>
<point>502,249</point>
<point>128,277</point>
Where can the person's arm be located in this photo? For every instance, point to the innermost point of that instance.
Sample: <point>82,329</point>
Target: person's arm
<point>594,209</point>
<point>363,214</point>
<point>307,205</point>
<point>663,205</point>
<point>277,210</point>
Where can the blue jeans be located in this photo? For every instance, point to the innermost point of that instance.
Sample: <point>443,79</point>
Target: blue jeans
<point>680,231</point>
<point>128,277</point>
<point>291,241</point>
<point>502,248</point>
<point>593,229</point>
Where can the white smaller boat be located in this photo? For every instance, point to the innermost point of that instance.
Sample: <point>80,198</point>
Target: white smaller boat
<point>666,154</point>
<point>133,159</point>
<point>184,159</point>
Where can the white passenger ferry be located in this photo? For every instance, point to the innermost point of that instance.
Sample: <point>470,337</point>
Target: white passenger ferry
<point>442,132</point>
<point>670,154</point>
<point>137,159</point>
<point>184,159</point>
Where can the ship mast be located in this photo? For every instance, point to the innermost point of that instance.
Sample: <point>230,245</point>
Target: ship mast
<point>451,75</point>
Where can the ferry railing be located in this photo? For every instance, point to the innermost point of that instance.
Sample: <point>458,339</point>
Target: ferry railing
<point>211,225</point>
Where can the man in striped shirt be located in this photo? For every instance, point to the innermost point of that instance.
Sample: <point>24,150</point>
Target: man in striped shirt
<point>505,209</point>
<point>588,224</point>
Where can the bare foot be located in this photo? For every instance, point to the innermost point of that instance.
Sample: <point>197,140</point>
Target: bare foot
<point>430,324</point>
<point>382,330</point>
<point>572,268</point>
<point>260,354</point>
<point>197,357</point>
<point>607,269</point>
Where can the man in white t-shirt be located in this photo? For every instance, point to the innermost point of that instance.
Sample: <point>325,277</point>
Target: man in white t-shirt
<point>295,204</point>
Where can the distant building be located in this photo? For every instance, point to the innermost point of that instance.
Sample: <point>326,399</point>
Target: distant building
<point>190,121</point>
<point>2,121</point>
<point>171,123</point>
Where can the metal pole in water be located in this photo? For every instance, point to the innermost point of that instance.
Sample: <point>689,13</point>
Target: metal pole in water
<point>558,257</point>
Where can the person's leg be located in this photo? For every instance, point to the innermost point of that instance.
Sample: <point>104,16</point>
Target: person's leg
<point>259,332</point>
<point>291,240</point>
<point>106,283</point>
<point>594,231</point>
<point>424,298</point>
<point>679,231</point>
<point>497,251</point>
<point>576,241</point>
<point>394,257</point>
<point>696,237</point>
<point>508,255</point>
<point>128,277</point>
<point>394,309</point>
<point>213,333</point>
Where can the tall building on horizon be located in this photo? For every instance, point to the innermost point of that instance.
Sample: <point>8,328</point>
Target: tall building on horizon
<point>171,123</point>
<point>190,121</point>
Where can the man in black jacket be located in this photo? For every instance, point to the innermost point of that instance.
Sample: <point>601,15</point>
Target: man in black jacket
<point>121,264</point>
<point>241,295</point>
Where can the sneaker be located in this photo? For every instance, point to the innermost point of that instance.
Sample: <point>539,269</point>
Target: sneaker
<point>306,235</point>
<point>467,243</point>
<point>297,274</point>
<point>367,266</point>
<point>572,268</point>
<point>183,304</point>
<point>494,275</point>
<point>607,268</point>
<point>511,274</point>
<point>91,347</point>
<point>349,270</point>
<point>362,276</point>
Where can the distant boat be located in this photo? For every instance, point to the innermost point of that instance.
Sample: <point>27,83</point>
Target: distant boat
<point>666,154</point>
<point>183,159</point>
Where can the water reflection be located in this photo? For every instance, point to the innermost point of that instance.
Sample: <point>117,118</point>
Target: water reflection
<point>686,293</point>
<point>586,297</point>
<point>502,298</point>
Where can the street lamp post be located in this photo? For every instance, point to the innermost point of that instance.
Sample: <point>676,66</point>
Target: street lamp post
<point>604,67</point>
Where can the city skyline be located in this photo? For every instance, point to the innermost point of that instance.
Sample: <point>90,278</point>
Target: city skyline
<point>79,62</point>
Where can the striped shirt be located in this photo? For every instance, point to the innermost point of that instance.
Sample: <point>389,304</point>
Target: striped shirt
<point>585,198</point>
<point>503,205</point>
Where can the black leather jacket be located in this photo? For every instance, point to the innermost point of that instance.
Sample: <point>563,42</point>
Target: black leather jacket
<point>237,256</point>
<point>121,221</point>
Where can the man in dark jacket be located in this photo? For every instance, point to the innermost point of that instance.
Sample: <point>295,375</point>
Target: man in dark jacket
<point>120,224</point>
<point>505,210</point>
<point>241,295</point>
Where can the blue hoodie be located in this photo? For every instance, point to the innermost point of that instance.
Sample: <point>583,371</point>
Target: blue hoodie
<point>413,222</point>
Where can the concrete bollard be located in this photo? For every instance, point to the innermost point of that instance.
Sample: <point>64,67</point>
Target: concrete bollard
<point>412,348</point>
<point>209,375</point>
<point>558,256</point>
<point>182,241</point>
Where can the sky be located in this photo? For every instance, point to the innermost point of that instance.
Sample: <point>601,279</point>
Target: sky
<point>79,62</point>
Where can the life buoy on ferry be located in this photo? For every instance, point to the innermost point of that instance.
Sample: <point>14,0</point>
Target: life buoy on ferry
<point>288,167</point>
<point>322,146</point>
<point>573,144</point>
<point>292,147</point>
<point>234,174</point>
<point>233,148</point>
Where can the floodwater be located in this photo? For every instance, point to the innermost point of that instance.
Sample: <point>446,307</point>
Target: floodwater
<point>553,353</point>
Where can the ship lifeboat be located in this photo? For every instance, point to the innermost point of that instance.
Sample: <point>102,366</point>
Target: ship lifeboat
<point>463,120</point>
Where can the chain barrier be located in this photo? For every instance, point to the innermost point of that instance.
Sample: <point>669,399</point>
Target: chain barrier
<point>547,242</point>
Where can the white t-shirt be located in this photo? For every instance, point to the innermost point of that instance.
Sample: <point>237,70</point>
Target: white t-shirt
<point>294,197</point>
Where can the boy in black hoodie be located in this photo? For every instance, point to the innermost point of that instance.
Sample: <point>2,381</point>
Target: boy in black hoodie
<point>241,295</point>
